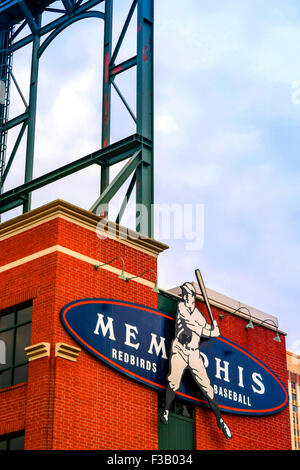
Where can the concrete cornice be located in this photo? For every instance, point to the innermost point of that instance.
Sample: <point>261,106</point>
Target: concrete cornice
<point>84,218</point>
<point>230,305</point>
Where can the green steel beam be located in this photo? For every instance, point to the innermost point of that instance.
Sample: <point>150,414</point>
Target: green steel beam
<point>141,144</point>
<point>15,121</point>
<point>126,199</point>
<point>13,153</point>
<point>123,66</point>
<point>106,91</point>
<point>11,205</point>
<point>7,5</point>
<point>5,63</point>
<point>144,173</point>
<point>116,152</point>
<point>68,6</point>
<point>18,30</point>
<point>55,10</point>
<point>68,22</point>
<point>31,122</point>
<point>123,33</point>
<point>54,24</point>
<point>117,182</point>
<point>28,16</point>
<point>18,89</point>
<point>117,158</point>
<point>124,101</point>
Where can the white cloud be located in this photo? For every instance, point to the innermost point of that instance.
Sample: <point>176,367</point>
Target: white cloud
<point>72,104</point>
<point>68,123</point>
<point>275,59</point>
<point>232,143</point>
<point>166,123</point>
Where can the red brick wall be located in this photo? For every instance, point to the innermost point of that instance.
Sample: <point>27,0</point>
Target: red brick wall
<point>87,405</point>
<point>32,281</point>
<point>31,241</point>
<point>12,405</point>
<point>250,433</point>
<point>97,408</point>
<point>83,405</point>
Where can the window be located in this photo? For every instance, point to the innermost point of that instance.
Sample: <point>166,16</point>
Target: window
<point>293,385</point>
<point>15,331</point>
<point>294,408</point>
<point>12,441</point>
<point>293,396</point>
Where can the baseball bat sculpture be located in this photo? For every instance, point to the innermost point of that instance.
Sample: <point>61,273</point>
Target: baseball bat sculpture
<point>204,294</point>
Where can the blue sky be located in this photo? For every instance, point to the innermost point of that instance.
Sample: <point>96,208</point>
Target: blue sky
<point>227,135</point>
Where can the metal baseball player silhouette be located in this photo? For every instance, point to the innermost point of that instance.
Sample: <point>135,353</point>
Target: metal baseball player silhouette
<point>190,327</point>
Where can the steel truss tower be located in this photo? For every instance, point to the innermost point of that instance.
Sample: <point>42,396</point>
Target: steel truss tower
<point>136,149</point>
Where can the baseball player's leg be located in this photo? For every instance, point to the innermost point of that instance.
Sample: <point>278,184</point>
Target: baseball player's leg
<point>199,373</point>
<point>178,364</point>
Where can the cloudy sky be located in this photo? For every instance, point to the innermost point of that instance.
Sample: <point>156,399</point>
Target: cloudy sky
<point>227,137</point>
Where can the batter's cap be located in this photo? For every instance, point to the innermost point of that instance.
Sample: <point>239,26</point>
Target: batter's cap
<point>188,288</point>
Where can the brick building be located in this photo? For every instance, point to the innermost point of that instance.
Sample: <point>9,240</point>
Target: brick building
<point>293,365</point>
<point>64,398</point>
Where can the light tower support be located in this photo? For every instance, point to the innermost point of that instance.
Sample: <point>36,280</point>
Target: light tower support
<point>137,148</point>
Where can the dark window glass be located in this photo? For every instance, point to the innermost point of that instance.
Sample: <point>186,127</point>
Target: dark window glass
<point>24,315</point>
<point>3,445</point>
<point>20,374</point>
<point>22,335</point>
<point>7,321</point>
<point>16,443</point>
<point>15,331</point>
<point>5,379</point>
<point>12,441</point>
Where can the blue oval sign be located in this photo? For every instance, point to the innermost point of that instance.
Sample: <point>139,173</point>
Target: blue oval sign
<point>136,340</point>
